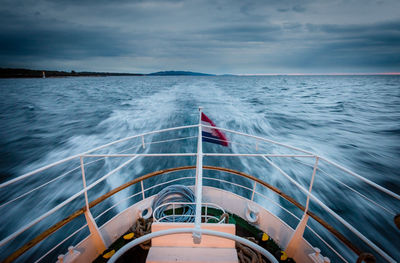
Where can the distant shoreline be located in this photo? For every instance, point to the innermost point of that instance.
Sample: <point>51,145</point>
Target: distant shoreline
<point>28,73</point>
<point>7,73</point>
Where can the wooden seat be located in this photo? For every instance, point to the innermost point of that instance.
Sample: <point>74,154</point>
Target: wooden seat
<point>180,247</point>
<point>191,255</point>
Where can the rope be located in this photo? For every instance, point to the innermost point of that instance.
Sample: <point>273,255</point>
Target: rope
<point>140,228</point>
<point>224,218</point>
<point>248,255</point>
<point>172,194</point>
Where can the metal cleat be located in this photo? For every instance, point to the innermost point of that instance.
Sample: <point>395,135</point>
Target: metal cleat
<point>317,257</point>
<point>70,257</point>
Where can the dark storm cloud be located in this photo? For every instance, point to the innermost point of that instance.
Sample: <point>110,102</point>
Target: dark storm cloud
<point>211,36</point>
<point>59,40</point>
<point>357,45</point>
<point>82,43</point>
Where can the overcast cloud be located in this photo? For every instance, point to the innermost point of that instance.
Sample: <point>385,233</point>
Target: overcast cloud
<point>238,37</point>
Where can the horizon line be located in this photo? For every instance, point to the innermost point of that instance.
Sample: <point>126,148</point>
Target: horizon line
<point>220,74</point>
<point>320,74</point>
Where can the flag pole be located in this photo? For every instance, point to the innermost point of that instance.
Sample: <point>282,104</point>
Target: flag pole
<point>199,182</point>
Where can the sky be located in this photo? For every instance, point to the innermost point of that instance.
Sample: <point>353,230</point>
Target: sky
<point>216,36</point>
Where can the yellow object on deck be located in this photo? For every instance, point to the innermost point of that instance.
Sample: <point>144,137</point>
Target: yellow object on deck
<point>129,236</point>
<point>265,237</point>
<point>109,254</point>
<point>283,255</point>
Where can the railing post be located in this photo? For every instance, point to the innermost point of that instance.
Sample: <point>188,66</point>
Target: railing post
<point>206,214</point>
<point>199,182</point>
<point>254,190</point>
<point>143,144</point>
<point>141,183</point>
<point>311,183</point>
<point>173,211</point>
<point>292,246</point>
<point>97,238</point>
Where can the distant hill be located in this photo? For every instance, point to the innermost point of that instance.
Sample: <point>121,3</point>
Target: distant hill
<point>178,73</point>
<point>28,73</point>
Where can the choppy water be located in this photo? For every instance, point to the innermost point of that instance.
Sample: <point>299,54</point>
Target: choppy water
<point>352,120</point>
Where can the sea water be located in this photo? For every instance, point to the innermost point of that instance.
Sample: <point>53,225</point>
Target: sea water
<point>351,120</point>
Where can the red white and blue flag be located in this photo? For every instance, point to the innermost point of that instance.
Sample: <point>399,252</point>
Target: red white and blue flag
<point>210,134</point>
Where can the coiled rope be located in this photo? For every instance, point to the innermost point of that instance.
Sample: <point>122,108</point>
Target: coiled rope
<point>248,255</point>
<point>140,228</point>
<point>175,194</point>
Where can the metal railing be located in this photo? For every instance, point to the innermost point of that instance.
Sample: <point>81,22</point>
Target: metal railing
<point>265,156</point>
<point>178,205</point>
<point>192,178</point>
<point>241,240</point>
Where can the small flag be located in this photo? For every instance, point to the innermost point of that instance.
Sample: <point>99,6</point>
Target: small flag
<point>210,134</point>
